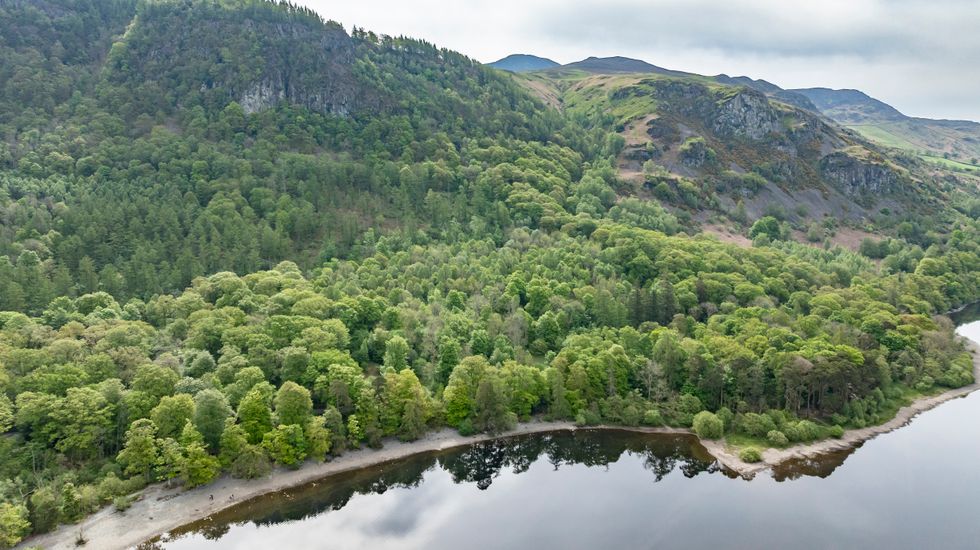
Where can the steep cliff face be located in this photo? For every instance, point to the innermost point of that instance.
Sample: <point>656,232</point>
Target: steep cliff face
<point>746,114</point>
<point>857,177</point>
<point>257,58</point>
<point>330,88</point>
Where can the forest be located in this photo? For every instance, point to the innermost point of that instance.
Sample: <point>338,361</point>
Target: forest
<point>193,285</point>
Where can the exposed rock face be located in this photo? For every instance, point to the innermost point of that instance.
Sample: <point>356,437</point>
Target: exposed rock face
<point>747,114</point>
<point>329,88</point>
<point>301,61</point>
<point>856,177</point>
<point>695,153</point>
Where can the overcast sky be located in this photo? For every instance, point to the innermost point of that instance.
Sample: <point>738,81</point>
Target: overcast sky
<point>921,56</point>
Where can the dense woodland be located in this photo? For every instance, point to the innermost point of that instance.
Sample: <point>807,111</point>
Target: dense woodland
<point>190,285</point>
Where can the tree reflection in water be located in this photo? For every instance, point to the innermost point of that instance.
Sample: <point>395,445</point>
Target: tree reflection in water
<point>479,464</point>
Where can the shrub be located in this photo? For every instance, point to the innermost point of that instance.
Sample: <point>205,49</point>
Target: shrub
<point>466,427</point>
<point>777,438</point>
<point>766,225</point>
<point>757,425</point>
<point>708,425</point>
<point>687,406</point>
<point>804,430</point>
<point>252,463</point>
<point>588,417</point>
<point>750,455</point>
<point>726,416</point>
<point>925,384</point>
<point>652,417</point>
<point>808,430</point>
<point>836,431</point>
<point>122,504</point>
<point>630,416</point>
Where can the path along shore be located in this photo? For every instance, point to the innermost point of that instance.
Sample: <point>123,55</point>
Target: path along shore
<point>161,509</point>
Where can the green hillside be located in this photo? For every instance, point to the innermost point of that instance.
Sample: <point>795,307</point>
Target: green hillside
<point>956,141</point>
<point>235,235</point>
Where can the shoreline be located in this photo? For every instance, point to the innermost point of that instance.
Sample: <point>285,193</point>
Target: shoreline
<point>160,510</point>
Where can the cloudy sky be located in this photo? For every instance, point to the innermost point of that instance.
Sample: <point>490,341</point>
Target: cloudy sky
<point>921,56</point>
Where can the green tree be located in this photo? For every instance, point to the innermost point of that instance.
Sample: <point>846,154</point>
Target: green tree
<point>140,451</point>
<point>172,413</point>
<point>255,416</point>
<point>460,394</point>
<point>156,380</point>
<point>84,419</point>
<point>197,466</point>
<point>286,445</point>
<point>396,354</point>
<point>71,503</point>
<point>768,226</point>
<point>14,525</point>
<point>492,414</point>
<point>317,438</point>
<point>708,426</point>
<point>211,410</point>
<point>251,463</point>
<point>6,414</point>
<point>233,442</point>
<point>45,510</point>
<point>169,460</point>
<point>293,404</point>
<point>449,351</point>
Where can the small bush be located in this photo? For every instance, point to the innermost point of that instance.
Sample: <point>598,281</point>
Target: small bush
<point>757,425</point>
<point>925,384</point>
<point>804,430</point>
<point>750,455</point>
<point>708,425</point>
<point>652,417</point>
<point>466,427</point>
<point>836,431</point>
<point>726,416</point>
<point>252,463</point>
<point>122,504</point>
<point>587,417</point>
<point>777,438</point>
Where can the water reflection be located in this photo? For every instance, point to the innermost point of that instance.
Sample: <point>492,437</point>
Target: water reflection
<point>478,464</point>
<point>819,466</point>
<point>913,488</point>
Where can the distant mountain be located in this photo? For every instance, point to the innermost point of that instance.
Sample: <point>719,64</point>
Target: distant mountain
<point>520,63</point>
<point>850,106</point>
<point>618,64</point>
<point>944,141</point>
<point>786,96</point>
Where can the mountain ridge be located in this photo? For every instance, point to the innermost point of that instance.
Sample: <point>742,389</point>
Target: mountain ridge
<point>518,62</point>
<point>940,141</point>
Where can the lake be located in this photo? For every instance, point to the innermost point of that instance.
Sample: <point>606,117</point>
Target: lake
<point>917,487</point>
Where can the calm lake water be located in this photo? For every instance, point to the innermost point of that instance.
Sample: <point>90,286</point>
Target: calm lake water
<point>917,487</point>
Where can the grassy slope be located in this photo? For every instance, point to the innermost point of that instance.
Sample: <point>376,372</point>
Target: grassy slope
<point>919,136</point>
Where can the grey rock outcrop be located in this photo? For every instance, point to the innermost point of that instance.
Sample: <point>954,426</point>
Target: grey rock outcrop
<point>746,114</point>
<point>857,177</point>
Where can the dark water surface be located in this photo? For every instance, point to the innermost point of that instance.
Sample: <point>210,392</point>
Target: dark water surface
<point>917,487</point>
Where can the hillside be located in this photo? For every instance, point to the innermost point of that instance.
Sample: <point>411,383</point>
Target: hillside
<point>954,144</point>
<point>786,96</point>
<point>235,235</point>
<point>705,147</point>
<point>617,64</point>
<point>850,106</point>
<point>234,137</point>
<point>519,63</point>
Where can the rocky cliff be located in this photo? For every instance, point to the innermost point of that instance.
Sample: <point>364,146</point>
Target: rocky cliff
<point>857,177</point>
<point>745,114</point>
<point>247,57</point>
